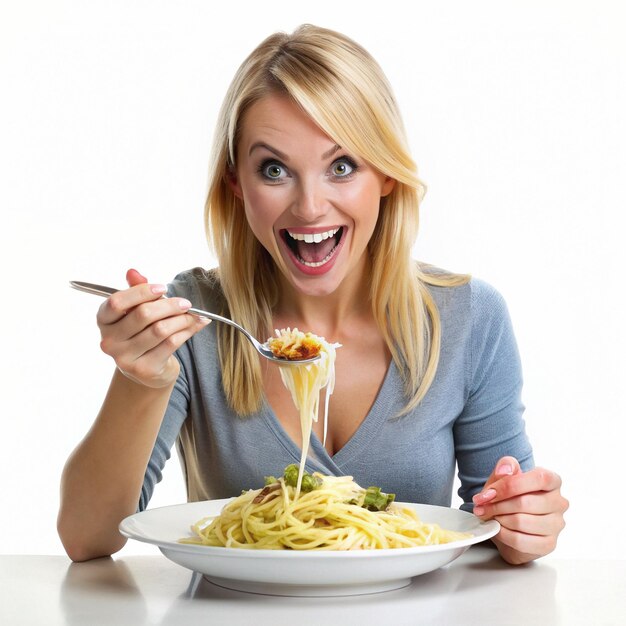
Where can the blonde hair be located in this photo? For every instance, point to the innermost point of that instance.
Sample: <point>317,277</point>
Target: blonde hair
<point>342,88</point>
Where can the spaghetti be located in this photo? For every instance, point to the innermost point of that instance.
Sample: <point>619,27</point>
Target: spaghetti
<point>301,511</point>
<point>295,345</point>
<point>306,381</point>
<point>331,516</point>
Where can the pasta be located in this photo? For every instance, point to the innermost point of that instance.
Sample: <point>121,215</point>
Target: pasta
<point>331,516</point>
<point>301,511</point>
<point>306,381</point>
<point>294,344</point>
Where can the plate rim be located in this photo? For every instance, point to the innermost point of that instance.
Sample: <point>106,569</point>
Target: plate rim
<point>488,528</point>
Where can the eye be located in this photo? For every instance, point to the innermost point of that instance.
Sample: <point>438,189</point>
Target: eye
<point>272,170</point>
<point>343,167</point>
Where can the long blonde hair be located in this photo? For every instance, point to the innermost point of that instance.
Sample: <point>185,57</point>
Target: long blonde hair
<point>342,88</point>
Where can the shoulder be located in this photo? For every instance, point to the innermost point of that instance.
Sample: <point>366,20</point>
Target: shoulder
<point>462,297</point>
<point>487,304</point>
<point>200,286</point>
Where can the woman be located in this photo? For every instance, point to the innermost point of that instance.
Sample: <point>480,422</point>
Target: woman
<point>312,211</point>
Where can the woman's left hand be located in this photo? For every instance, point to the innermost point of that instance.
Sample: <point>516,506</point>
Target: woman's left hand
<point>529,507</point>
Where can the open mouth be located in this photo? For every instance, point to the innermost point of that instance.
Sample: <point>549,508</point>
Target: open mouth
<point>313,249</point>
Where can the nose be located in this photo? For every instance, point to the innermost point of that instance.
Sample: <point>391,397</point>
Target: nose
<point>310,203</point>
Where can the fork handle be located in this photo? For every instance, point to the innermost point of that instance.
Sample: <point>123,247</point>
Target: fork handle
<point>101,290</point>
<point>98,290</point>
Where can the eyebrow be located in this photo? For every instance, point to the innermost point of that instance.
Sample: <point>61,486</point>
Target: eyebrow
<point>283,156</point>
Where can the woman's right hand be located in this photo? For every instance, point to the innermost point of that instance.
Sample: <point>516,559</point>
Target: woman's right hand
<point>141,330</point>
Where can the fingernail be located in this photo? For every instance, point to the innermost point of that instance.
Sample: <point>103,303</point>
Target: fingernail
<point>504,470</point>
<point>479,510</point>
<point>485,496</point>
<point>158,289</point>
<point>184,304</point>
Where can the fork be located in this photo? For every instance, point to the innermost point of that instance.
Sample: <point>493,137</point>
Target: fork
<point>262,348</point>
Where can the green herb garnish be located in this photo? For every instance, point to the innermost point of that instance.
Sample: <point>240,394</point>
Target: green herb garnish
<point>377,500</point>
<point>309,482</point>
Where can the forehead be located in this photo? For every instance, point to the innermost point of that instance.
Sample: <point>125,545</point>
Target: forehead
<point>277,117</point>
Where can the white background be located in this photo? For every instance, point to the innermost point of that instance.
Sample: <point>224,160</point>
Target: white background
<point>515,112</point>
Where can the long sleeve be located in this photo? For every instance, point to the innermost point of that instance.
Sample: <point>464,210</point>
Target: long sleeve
<point>175,415</point>
<point>491,424</point>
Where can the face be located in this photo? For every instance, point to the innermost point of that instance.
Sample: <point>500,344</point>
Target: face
<point>311,204</point>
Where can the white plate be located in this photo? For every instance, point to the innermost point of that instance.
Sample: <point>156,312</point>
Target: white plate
<point>302,572</point>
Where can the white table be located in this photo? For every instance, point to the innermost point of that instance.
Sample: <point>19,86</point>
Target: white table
<point>477,588</point>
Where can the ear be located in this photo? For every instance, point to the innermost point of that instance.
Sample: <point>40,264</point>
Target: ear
<point>233,183</point>
<point>388,185</point>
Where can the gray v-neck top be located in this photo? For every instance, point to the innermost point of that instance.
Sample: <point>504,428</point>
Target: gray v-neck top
<point>471,415</point>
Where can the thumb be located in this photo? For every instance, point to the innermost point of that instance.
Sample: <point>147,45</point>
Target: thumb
<point>506,466</point>
<point>133,277</point>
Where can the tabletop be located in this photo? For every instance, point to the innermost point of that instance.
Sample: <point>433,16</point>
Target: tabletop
<point>477,588</point>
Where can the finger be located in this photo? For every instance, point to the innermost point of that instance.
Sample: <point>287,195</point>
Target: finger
<point>540,502</point>
<point>155,334</point>
<point>525,543</point>
<point>506,466</point>
<point>538,479</point>
<point>148,313</point>
<point>121,302</point>
<point>548,524</point>
<point>535,503</point>
<point>152,362</point>
<point>133,277</point>
<point>168,346</point>
<point>144,327</point>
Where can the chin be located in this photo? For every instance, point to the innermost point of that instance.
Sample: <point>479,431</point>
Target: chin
<point>314,287</point>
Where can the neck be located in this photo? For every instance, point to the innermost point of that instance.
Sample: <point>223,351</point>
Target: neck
<point>326,315</point>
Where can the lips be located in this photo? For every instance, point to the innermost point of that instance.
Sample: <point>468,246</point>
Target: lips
<point>313,251</point>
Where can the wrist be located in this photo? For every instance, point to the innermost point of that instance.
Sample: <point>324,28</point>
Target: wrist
<point>163,381</point>
<point>135,388</point>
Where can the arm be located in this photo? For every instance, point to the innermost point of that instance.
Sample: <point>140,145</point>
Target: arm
<point>491,424</point>
<point>494,456</point>
<point>103,477</point>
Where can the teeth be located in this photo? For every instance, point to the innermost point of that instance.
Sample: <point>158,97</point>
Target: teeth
<point>318,263</point>
<point>313,237</point>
